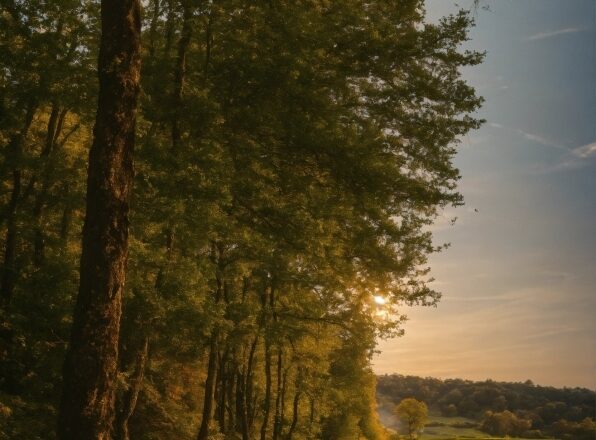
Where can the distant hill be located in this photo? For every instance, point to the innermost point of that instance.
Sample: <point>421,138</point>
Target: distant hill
<point>500,408</point>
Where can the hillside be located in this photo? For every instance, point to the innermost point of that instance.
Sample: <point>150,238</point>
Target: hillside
<point>496,408</point>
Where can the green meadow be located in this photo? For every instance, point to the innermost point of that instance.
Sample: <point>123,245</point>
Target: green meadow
<point>452,428</point>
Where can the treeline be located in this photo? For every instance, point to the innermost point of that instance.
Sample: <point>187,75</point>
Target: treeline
<point>502,408</point>
<point>289,157</point>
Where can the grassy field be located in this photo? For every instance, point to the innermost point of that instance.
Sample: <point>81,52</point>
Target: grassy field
<point>450,429</point>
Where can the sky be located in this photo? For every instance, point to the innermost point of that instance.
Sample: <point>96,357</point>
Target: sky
<point>519,280</point>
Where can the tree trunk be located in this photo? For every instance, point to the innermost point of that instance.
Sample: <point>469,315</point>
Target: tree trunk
<point>282,413</point>
<point>65,222</point>
<point>180,73</point>
<point>221,391</point>
<point>55,124</point>
<point>170,20</point>
<point>209,389</point>
<point>245,393</point>
<point>129,400</point>
<point>15,150</point>
<point>87,405</point>
<point>153,27</point>
<point>267,402</point>
<point>231,396</point>
<point>295,407</point>
<point>277,423</point>
<point>296,403</point>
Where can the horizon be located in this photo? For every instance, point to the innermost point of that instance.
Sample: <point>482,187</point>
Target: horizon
<point>444,379</point>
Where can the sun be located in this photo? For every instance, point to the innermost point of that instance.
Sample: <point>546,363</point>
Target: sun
<point>380,300</point>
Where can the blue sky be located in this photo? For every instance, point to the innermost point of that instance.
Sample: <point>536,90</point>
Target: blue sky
<point>519,281</point>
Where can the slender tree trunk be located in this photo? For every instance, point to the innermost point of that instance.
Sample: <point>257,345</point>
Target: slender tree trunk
<point>9,273</point>
<point>212,369</point>
<point>240,402</point>
<point>296,402</point>
<point>87,405</point>
<point>232,386</point>
<point>251,396</point>
<point>277,423</point>
<point>208,42</point>
<point>209,389</point>
<point>268,382</point>
<point>65,222</point>
<point>180,73</point>
<point>170,20</point>
<point>246,412</point>
<point>221,391</point>
<point>282,412</point>
<point>131,395</point>
<point>55,124</point>
<point>295,415</point>
<point>153,27</point>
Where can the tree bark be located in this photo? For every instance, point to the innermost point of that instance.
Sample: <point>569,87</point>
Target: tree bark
<point>15,150</point>
<point>246,410</point>
<point>130,398</point>
<point>221,391</point>
<point>268,383</point>
<point>180,73</point>
<point>209,389</point>
<point>232,384</point>
<point>65,222</point>
<point>87,405</point>
<point>277,423</point>
<point>295,414</point>
<point>55,123</point>
<point>153,27</point>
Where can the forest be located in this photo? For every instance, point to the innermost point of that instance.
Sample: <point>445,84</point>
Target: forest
<point>210,211</point>
<point>500,408</point>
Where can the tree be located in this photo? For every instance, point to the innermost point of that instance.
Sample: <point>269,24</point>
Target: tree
<point>412,413</point>
<point>289,158</point>
<point>87,405</point>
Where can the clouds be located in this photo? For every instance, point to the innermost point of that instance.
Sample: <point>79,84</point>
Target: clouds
<point>575,158</point>
<point>572,158</point>
<point>530,136</point>
<point>585,151</point>
<point>551,34</point>
<point>518,282</point>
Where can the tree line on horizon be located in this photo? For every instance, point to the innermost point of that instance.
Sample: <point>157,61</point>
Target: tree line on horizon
<point>191,246</point>
<point>520,409</point>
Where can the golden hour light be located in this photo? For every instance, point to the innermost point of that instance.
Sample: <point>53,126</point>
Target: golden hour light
<point>236,220</point>
<point>380,300</point>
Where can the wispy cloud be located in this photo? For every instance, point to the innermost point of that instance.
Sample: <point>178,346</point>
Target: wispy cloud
<point>575,158</point>
<point>531,136</point>
<point>585,151</point>
<point>545,35</point>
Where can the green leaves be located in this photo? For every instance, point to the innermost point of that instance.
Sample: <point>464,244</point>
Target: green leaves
<point>294,147</point>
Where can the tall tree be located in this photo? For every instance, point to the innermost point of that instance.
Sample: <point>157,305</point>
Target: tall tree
<point>87,405</point>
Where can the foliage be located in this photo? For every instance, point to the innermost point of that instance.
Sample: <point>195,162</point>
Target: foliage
<point>413,415</point>
<point>501,408</point>
<point>504,423</point>
<point>290,158</point>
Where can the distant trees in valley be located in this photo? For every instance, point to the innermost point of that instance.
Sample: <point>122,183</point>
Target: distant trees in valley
<point>501,408</point>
